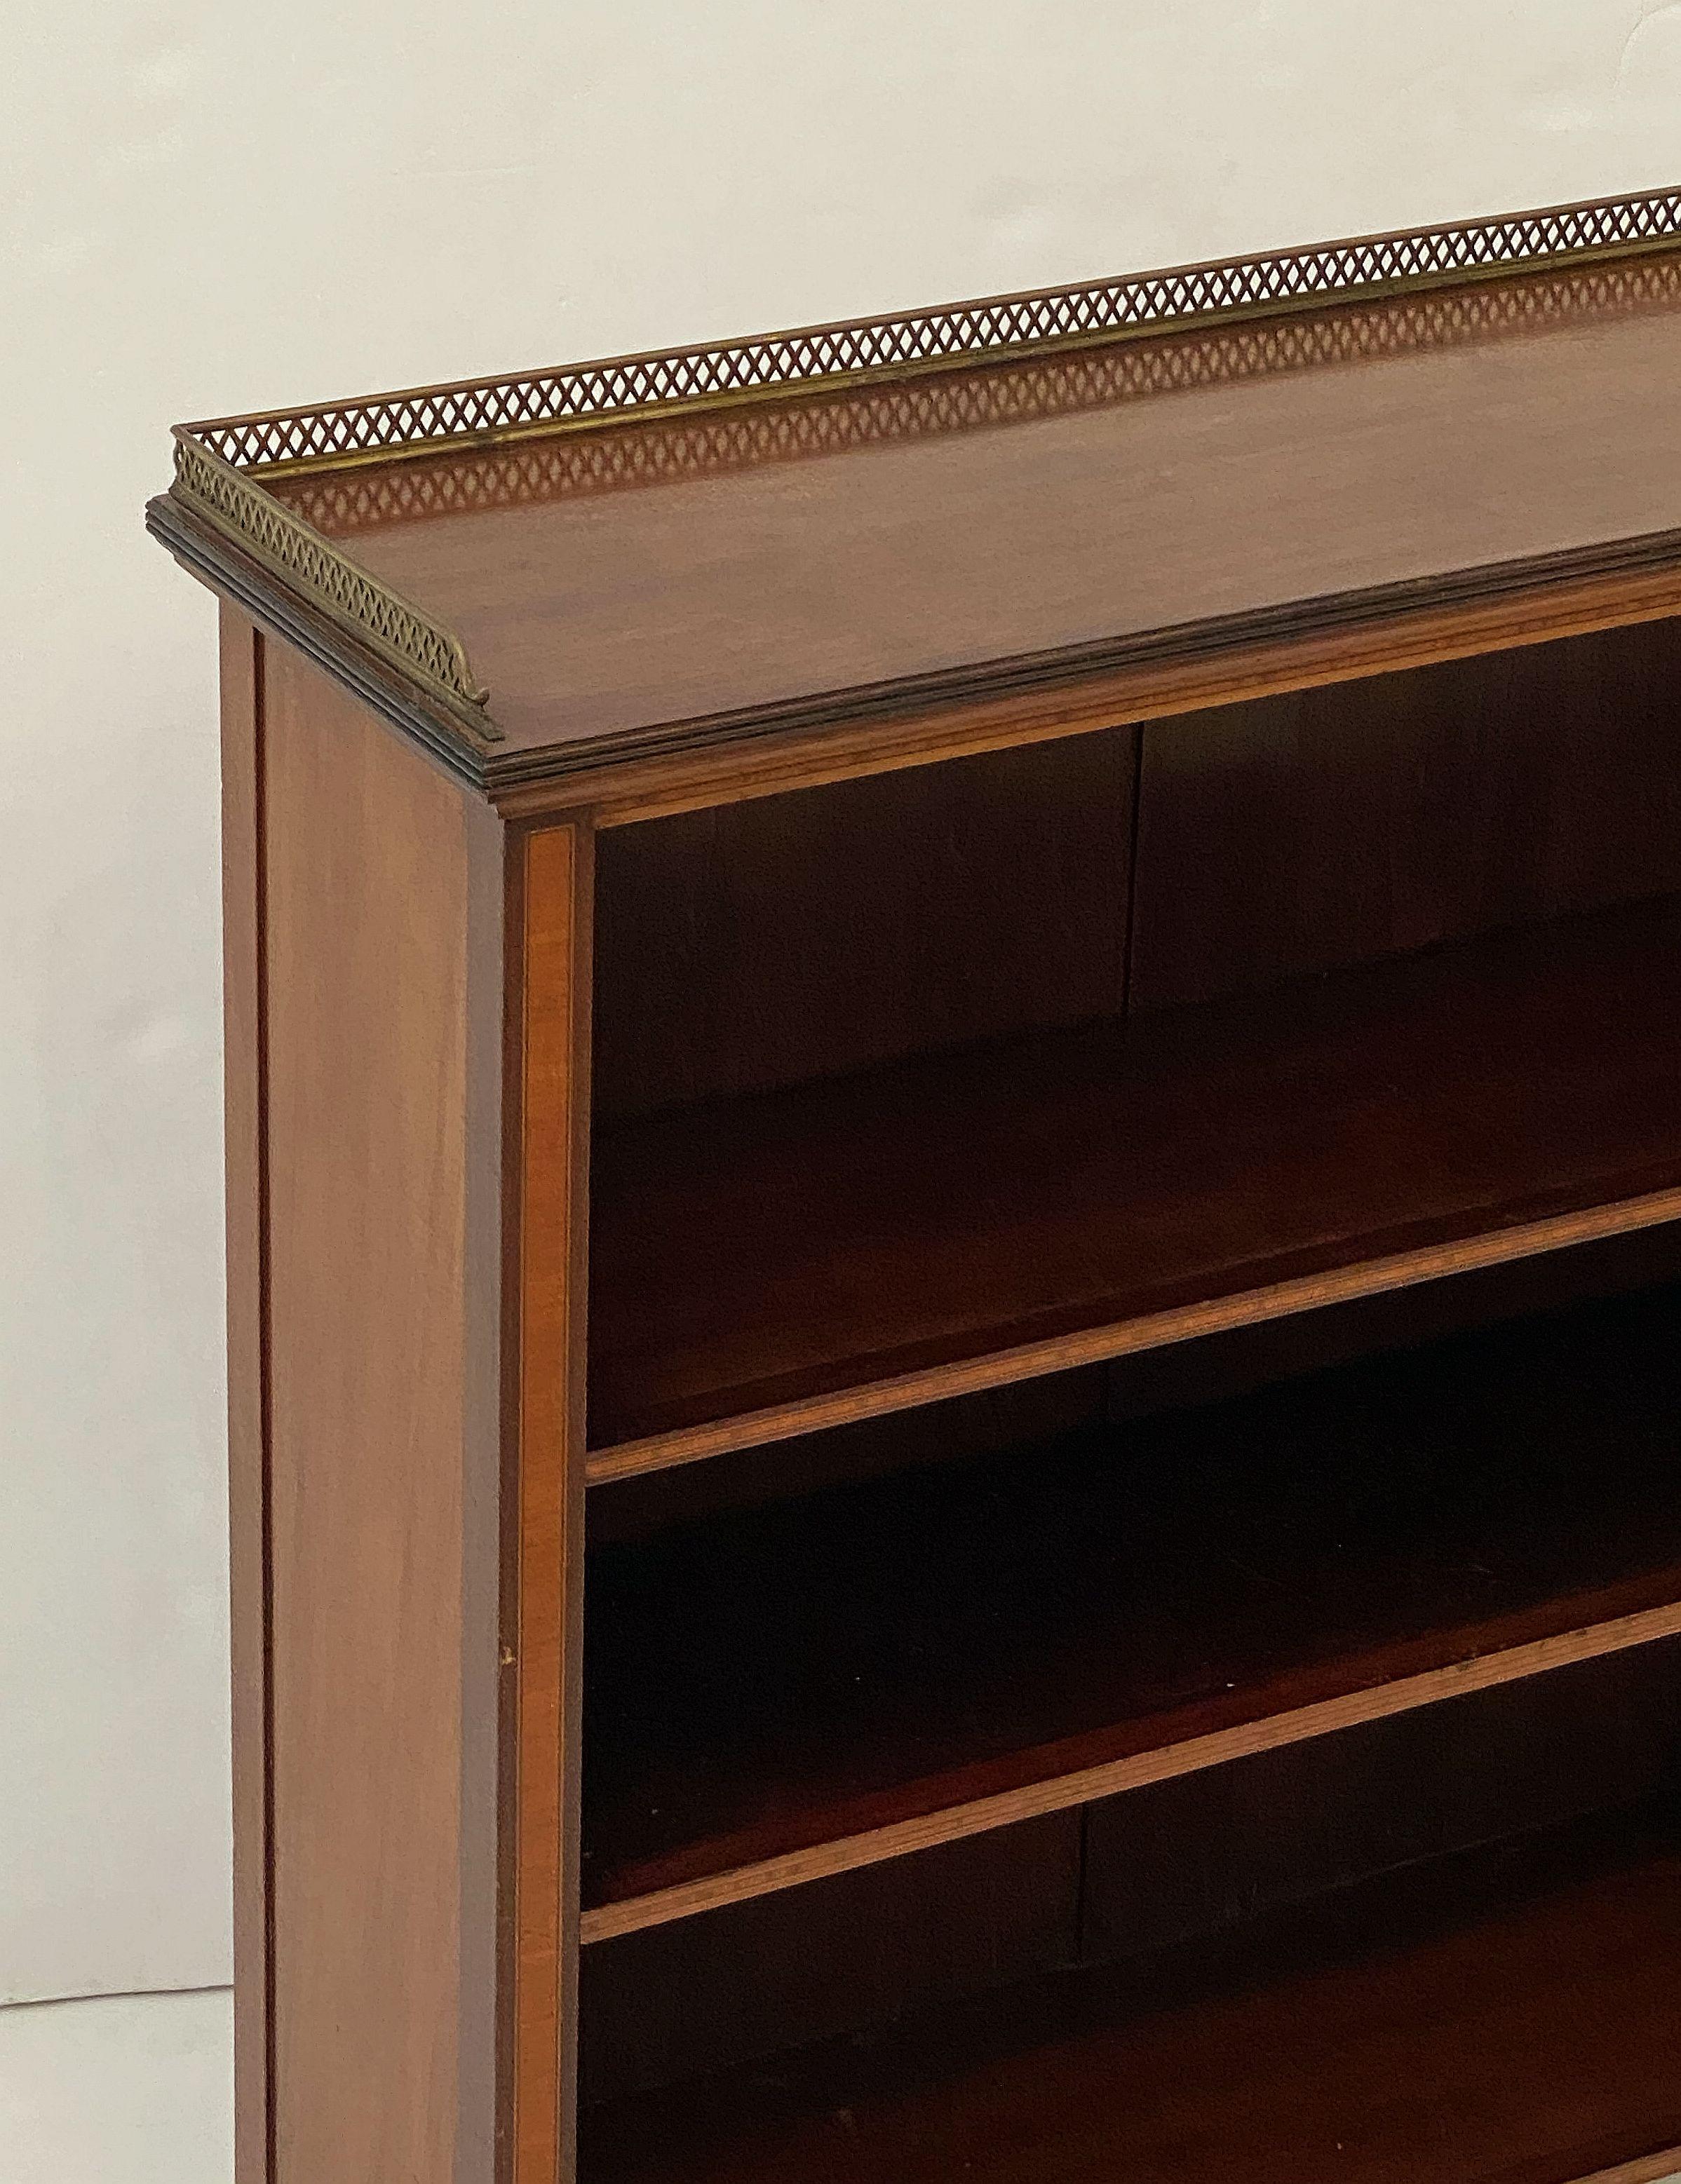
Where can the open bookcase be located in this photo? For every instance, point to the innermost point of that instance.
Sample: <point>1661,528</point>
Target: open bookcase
<point>955,1251</point>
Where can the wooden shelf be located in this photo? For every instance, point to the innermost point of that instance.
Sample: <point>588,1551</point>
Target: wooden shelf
<point>1510,2016</point>
<point>773,1262</point>
<point>777,1693</point>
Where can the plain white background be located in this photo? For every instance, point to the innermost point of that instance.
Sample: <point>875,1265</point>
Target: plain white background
<point>210,207</point>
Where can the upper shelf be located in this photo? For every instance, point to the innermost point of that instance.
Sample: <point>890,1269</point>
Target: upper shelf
<point>544,574</point>
<point>775,1262</point>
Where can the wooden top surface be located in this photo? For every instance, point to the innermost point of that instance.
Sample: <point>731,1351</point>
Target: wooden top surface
<point>611,583</point>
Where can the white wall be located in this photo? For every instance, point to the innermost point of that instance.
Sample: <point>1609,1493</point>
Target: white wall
<point>209,206</point>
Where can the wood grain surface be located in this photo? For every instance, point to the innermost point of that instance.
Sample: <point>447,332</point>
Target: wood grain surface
<point>1299,834</point>
<point>383,993</point>
<point>757,587</point>
<point>1165,676</point>
<point>803,936</point>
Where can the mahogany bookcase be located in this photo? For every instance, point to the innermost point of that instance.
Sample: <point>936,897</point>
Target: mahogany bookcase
<point>955,1240</point>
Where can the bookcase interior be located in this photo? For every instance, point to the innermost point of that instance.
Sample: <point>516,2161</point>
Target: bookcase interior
<point>973,1772</point>
<point>907,1072</point>
<point>782,1678</point>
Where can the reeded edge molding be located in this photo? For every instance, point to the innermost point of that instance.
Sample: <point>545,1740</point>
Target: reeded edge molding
<point>221,521</point>
<point>208,554</point>
<point>1178,643</point>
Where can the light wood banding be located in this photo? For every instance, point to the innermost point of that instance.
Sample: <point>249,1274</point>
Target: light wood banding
<point>549,903</point>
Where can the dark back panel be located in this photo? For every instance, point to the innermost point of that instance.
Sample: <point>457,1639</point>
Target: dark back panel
<point>1338,825</point>
<point>799,936</point>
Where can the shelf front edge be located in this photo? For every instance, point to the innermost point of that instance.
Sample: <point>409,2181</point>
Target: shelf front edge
<point>1662,2168</point>
<point>1060,1793</point>
<point>684,765</point>
<point>1344,638</point>
<point>1123,1338</point>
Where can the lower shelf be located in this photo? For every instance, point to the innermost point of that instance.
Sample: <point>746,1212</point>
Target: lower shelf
<point>777,1693</point>
<point>1512,2015</point>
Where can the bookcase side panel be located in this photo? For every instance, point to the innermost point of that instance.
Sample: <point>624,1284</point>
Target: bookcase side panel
<point>248,1523</point>
<point>381,986</point>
